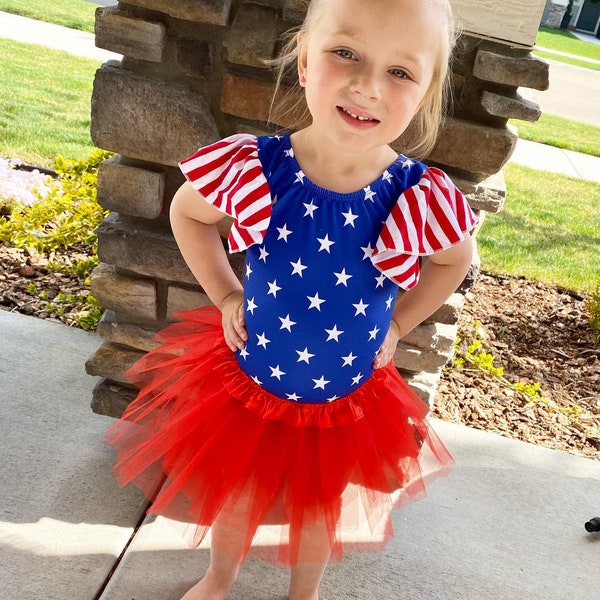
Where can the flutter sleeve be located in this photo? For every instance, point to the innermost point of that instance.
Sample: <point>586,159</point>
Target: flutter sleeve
<point>431,216</point>
<point>229,176</point>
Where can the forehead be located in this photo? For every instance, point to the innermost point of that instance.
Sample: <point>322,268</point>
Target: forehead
<point>396,25</point>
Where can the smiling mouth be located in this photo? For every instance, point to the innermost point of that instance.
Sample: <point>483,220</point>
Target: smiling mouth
<point>357,117</point>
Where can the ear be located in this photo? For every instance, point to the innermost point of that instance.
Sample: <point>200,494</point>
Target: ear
<point>302,59</point>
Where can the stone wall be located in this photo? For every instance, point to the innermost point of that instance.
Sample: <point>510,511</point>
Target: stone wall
<point>193,71</point>
<point>554,13</point>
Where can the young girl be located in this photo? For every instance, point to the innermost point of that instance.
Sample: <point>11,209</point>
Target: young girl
<point>281,405</point>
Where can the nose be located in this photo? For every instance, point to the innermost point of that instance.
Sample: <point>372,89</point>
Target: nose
<point>366,83</point>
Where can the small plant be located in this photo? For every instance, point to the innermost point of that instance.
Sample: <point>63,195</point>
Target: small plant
<point>593,307</point>
<point>473,354</point>
<point>530,391</point>
<point>81,268</point>
<point>90,314</point>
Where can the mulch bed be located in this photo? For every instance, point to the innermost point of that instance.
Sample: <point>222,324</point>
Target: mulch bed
<point>537,333</point>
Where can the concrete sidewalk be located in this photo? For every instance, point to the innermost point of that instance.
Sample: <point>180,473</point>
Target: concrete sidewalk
<point>73,41</point>
<point>506,524</point>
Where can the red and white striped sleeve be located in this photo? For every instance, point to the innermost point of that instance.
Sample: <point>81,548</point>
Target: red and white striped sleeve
<point>431,216</point>
<point>229,176</point>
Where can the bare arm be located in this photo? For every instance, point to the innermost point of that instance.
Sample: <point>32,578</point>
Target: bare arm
<point>441,274</point>
<point>194,221</point>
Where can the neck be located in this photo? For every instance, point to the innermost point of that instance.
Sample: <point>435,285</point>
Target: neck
<point>339,171</point>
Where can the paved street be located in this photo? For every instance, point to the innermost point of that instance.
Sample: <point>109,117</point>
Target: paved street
<point>573,94</point>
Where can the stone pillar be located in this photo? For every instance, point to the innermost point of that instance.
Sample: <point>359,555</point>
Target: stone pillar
<point>554,12</point>
<point>192,72</point>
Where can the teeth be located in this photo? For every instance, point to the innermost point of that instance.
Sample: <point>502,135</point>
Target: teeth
<point>356,116</point>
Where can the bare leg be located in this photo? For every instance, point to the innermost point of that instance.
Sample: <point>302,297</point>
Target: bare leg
<point>227,548</point>
<point>313,556</point>
<point>216,583</point>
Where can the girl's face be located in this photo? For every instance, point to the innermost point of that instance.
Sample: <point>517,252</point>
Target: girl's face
<point>366,68</point>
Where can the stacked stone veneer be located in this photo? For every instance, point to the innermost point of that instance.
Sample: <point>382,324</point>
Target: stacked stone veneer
<point>554,13</point>
<point>193,71</point>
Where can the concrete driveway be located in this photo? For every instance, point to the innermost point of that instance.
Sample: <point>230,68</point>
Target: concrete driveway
<point>573,93</point>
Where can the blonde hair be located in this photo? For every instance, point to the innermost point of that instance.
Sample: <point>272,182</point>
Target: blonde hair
<point>288,107</point>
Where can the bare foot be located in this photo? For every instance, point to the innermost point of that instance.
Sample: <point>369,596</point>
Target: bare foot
<point>207,589</point>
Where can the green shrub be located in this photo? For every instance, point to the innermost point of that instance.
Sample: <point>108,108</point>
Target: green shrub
<point>66,215</point>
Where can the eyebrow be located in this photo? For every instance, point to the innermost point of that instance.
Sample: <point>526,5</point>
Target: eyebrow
<point>406,56</point>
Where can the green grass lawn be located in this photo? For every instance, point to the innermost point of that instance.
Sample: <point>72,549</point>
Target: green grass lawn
<point>45,103</point>
<point>562,133</point>
<point>549,230</point>
<point>76,14</point>
<point>566,59</point>
<point>564,41</point>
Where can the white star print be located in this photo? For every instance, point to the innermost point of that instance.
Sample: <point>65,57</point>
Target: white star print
<point>273,288</point>
<point>350,218</point>
<point>332,398</point>
<point>244,353</point>
<point>289,153</point>
<point>342,278</point>
<point>380,280</point>
<point>348,360</point>
<point>320,383</point>
<point>388,302</point>
<point>361,308</point>
<point>325,243</point>
<point>251,305</point>
<point>387,176</point>
<point>368,251</point>
<point>256,380</point>
<point>299,177</point>
<point>407,163</point>
<point>263,254</point>
<point>373,333</point>
<point>276,372</point>
<point>286,323</point>
<point>315,302</point>
<point>355,380</point>
<point>334,334</point>
<point>369,193</point>
<point>262,340</point>
<point>248,270</point>
<point>304,355</point>
<point>283,232</point>
<point>293,396</point>
<point>298,267</point>
<point>310,209</point>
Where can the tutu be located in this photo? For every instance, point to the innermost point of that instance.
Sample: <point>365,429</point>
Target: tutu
<point>206,444</point>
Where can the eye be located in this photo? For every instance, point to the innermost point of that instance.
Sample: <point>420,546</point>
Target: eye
<point>345,53</point>
<point>399,73</point>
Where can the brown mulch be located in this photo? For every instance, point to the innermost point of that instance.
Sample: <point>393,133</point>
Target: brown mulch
<point>30,285</point>
<point>537,333</point>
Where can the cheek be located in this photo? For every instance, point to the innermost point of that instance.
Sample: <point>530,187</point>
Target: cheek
<point>321,84</point>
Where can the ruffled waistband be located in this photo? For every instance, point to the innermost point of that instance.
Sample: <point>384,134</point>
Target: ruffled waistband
<point>198,326</point>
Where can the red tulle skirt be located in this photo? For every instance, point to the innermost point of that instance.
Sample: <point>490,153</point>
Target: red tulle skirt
<point>209,447</point>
